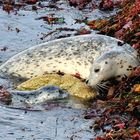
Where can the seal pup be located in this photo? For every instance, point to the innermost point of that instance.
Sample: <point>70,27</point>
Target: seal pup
<point>94,57</point>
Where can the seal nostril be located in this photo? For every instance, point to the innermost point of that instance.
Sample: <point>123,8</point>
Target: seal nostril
<point>87,81</point>
<point>96,70</point>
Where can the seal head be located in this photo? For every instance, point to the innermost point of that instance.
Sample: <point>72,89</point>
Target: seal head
<point>112,64</point>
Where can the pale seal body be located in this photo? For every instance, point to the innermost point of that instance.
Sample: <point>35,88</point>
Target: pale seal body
<point>95,57</point>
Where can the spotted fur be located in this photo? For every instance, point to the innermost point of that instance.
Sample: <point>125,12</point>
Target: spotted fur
<point>81,54</point>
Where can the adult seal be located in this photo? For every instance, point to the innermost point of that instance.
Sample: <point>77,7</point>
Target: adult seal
<point>94,57</point>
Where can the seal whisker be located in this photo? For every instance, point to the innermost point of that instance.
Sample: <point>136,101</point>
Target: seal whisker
<point>99,88</point>
<point>103,86</point>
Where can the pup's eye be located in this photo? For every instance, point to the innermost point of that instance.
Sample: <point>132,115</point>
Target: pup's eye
<point>96,70</point>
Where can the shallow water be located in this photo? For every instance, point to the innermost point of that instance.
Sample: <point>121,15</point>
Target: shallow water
<point>56,124</point>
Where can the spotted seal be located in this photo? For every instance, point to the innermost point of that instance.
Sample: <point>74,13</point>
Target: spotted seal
<point>94,57</point>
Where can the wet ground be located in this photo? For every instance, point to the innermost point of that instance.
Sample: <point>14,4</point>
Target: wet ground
<point>20,30</point>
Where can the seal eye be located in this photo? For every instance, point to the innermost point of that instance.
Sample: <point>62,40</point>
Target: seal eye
<point>96,70</point>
